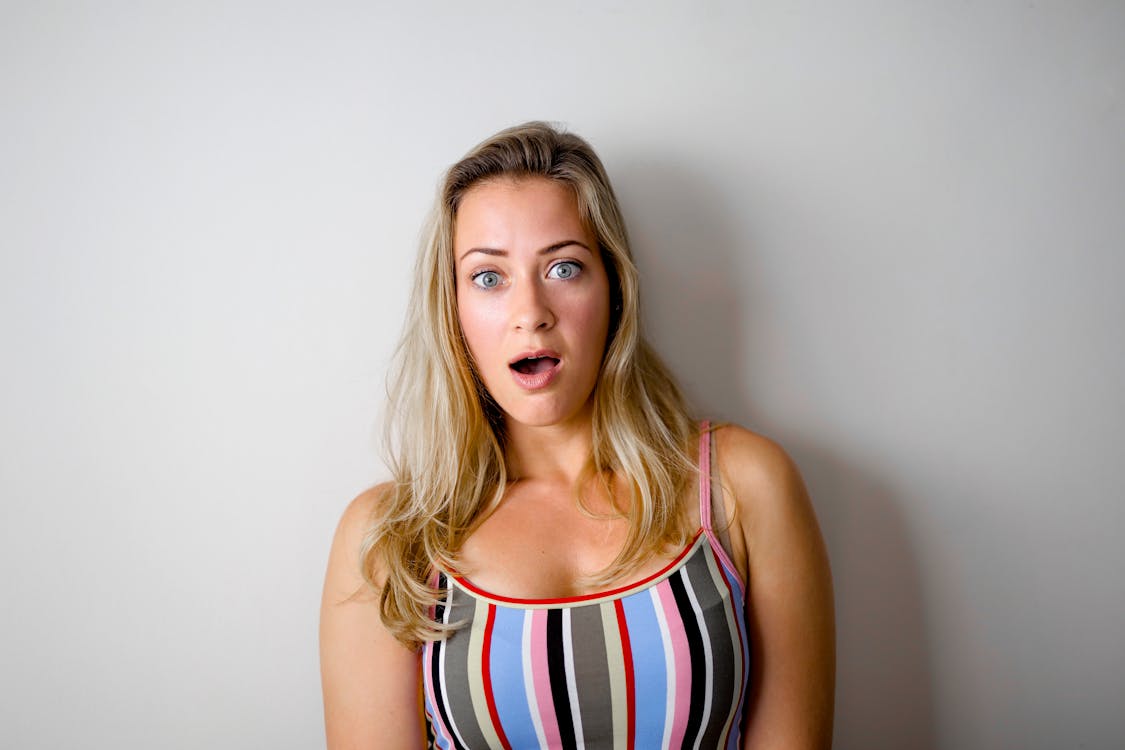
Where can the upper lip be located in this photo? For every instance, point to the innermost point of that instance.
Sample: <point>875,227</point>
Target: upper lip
<point>535,355</point>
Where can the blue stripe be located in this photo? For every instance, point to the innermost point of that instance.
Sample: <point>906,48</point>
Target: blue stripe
<point>506,664</point>
<point>738,605</point>
<point>650,679</point>
<point>739,608</point>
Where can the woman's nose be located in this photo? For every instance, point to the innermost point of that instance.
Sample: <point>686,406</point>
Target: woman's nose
<point>531,308</point>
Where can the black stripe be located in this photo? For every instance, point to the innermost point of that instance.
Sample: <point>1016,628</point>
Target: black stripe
<point>714,602</point>
<point>435,672</point>
<point>698,657</point>
<point>556,667</point>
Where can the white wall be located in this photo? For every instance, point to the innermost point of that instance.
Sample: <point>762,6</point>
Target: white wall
<point>900,223</point>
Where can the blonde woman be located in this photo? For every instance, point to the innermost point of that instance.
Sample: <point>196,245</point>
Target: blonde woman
<point>564,556</point>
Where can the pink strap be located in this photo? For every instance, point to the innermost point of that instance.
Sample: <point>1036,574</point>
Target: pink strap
<point>705,518</point>
<point>705,476</point>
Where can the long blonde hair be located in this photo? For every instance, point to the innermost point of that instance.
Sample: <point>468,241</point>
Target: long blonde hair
<point>444,434</point>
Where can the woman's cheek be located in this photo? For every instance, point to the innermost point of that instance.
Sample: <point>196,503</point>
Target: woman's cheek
<point>481,324</point>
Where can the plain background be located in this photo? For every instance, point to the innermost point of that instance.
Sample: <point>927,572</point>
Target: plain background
<point>889,235</point>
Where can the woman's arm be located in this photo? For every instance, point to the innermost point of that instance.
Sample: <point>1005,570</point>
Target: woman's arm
<point>789,597</point>
<point>370,680</point>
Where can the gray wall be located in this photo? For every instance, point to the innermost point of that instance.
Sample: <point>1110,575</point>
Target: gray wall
<point>888,235</point>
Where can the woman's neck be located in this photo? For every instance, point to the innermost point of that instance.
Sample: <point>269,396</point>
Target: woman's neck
<point>554,453</point>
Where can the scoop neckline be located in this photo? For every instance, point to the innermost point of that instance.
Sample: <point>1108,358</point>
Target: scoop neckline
<point>596,597</point>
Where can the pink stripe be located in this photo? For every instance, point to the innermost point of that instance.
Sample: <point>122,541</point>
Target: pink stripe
<point>681,656</point>
<point>441,732</point>
<point>541,678</point>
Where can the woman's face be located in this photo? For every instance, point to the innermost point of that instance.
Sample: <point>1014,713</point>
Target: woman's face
<point>532,297</point>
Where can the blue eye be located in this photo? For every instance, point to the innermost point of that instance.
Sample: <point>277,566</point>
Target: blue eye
<point>568,269</point>
<point>487,279</point>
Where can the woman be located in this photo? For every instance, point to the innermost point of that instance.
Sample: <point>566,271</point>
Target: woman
<point>560,558</point>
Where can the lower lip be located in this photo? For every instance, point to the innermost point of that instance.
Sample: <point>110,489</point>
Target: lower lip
<point>535,381</point>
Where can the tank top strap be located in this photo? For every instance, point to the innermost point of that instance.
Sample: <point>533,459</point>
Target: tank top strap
<point>712,510</point>
<point>705,476</point>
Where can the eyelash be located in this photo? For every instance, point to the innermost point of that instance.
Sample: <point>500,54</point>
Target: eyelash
<point>576,265</point>
<point>577,269</point>
<point>485,272</point>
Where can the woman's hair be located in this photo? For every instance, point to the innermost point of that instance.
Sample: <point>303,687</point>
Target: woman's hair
<point>445,438</point>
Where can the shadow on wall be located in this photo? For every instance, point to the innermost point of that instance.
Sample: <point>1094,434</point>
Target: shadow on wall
<point>695,264</point>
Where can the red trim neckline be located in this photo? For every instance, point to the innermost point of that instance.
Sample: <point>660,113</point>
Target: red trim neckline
<point>465,583</point>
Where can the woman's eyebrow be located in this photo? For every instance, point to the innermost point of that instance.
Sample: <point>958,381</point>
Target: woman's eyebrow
<point>565,243</point>
<point>545,251</point>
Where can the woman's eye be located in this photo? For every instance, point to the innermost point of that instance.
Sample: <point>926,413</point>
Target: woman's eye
<point>487,279</point>
<point>565,270</point>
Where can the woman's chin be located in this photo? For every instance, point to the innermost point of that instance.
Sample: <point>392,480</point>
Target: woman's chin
<point>546,416</point>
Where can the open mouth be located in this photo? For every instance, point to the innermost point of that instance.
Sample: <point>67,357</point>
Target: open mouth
<point>534,365</point>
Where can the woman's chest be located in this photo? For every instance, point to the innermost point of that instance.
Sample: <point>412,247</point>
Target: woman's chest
<point>535,547</point>
<point>658,665</point>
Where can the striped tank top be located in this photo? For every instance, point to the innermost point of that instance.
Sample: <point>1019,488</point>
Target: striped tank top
<point>660,663</point>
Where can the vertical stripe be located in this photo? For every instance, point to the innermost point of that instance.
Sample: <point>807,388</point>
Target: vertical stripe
<point>593,674</point>
<point>714,603</point>
<point>507,675</point>
<point>479,678</point>
<point>443,687</point>
<point>737,600</point>
<point>542,678</point>
<point>486,678</point>
<point>434,723</point>
<point>571,682</point>
<point>734,637</point>
<point>460,659</point>
<point>669,667</point>
<point>422,718</point>
<point>627,662</point>
<point>678,654</point>
<point>445,733</point>
<point>664,665</point>
<point>615,662</point>
<point>699,647</point>
<point>556,667</point>
<point>529,678</point>
<point>650,679</point>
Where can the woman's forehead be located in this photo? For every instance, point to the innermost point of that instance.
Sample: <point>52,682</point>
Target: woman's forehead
<point>517,211</point>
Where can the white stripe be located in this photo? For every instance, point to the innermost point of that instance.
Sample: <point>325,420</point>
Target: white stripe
<point>617,690</point>
<point>476,674</point>
<point>717,574</point>
<point>707,659</point>
<point>441,671</point>
<point>669,666</point>
<point>529,679</point>
<point>431,700</point>
<point>729,730</point>
<point>571,682</point>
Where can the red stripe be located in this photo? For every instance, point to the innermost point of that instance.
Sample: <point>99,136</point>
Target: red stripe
<point>468,585</point>
<point>627,656</point>
<point>486,674</point>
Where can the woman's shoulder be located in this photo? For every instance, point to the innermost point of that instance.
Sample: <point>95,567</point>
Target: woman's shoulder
<point>355,522</point>
<point>364,507</point>
<point>762,478</point>
<point>750,458</point>
<point>790,592</point>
